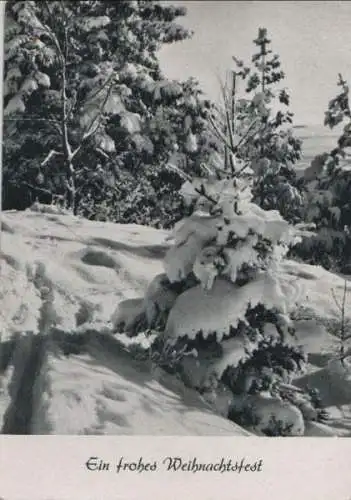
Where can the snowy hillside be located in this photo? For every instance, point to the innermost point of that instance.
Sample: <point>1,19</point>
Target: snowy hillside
<point>65,276</point>
<point>61,271</point>
<point>85,267</point>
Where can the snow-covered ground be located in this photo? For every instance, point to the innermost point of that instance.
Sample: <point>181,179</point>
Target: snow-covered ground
<point>57,270</point>
<point>85,267</point>
<point>69,273</point>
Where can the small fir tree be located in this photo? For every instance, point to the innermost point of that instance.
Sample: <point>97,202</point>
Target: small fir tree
<point>222,294</point>
<point>256,128</point>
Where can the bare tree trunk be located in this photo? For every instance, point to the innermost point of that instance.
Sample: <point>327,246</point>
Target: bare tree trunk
<point>67,150</point>
<point>70,188</point>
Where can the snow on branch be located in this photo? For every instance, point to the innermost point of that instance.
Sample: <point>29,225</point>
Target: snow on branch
<point>94,125</point>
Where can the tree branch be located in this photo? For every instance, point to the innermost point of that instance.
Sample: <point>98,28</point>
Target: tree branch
<point>95,123</point>
<point>46,120</point>
<point>246,135</point>
<point>43,190</point>
<point>220,135</point>
<point>338,305</point>
<point>49,156</point>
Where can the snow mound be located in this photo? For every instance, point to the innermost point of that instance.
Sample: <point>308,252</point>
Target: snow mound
<point>318,287</point>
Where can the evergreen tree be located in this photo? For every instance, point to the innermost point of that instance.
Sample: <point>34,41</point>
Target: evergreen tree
<point>256,127</point>
<point>328,193</point>
<point>89,117</point>
<point>224,299</point>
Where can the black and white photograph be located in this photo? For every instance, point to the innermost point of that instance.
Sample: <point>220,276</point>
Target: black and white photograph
<point>175,243</point>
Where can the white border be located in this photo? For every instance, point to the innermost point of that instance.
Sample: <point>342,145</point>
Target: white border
<point>53,468</point>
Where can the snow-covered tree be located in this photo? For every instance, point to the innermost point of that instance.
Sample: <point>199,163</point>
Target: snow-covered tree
<point>254,122</point>
<point>223,297</point>
<point>89,117</point>
<point>328,192</point>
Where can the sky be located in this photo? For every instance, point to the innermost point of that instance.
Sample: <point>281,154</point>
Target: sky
<point>313,39</point>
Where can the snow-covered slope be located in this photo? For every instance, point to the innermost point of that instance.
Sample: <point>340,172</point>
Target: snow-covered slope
<point>103,391</point>
<point>68,273</point>
<point>81,268</point>
<point>61,271</point>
